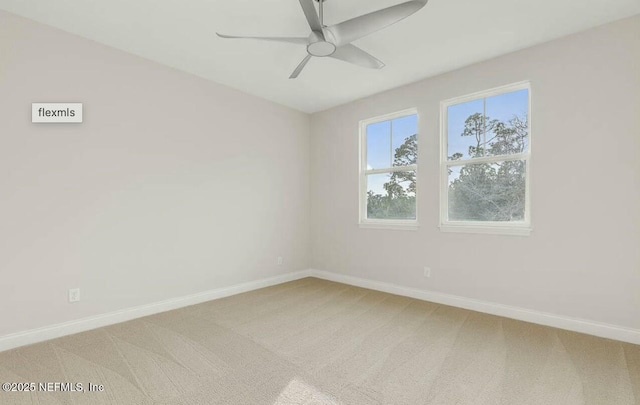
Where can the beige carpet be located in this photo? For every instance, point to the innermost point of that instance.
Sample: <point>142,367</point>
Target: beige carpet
<point>317,342</point>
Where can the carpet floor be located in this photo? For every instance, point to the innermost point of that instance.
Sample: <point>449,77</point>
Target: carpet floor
<point>317,342</point>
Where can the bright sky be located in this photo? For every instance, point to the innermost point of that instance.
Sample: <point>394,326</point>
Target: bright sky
<point>502,107</point>
<point>382,141</point>
<point>384,137</point>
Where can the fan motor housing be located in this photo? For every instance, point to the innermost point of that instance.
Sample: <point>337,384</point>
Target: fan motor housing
<point>321,48</point>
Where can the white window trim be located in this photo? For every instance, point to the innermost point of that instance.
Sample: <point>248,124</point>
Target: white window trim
<point>391,224</point>
<point>521,228</point>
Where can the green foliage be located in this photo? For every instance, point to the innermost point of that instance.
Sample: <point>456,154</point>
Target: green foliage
<point>491,191</point>
<point>387,207</point>
<point>400,200</point>
<point>481,192</point>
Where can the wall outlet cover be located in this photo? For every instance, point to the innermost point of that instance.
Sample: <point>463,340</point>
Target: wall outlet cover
<point>74,295</point>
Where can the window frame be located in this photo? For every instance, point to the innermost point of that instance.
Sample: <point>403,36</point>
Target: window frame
<point>521,228</point>
<point>393,224</point>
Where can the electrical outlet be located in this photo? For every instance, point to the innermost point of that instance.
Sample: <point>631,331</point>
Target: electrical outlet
<point>427,272</point>
<point>279,261</point>
<point>74,295</point>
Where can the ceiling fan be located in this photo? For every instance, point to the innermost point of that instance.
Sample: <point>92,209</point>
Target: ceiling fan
<point>335,41</point>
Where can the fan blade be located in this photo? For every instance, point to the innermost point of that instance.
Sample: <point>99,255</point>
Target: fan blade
<point>300,67</point>
<point>312,16</point>
<point>353,54</point>
<point>350,30</point>
<point>289,40</point>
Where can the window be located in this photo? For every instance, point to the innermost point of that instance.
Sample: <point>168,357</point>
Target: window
<point>388,170</point>
<point>486,148</point>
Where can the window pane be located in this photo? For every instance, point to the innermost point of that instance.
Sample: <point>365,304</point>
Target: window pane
<point>465,130</point>
<point>487,191</point>
<point>405,140</point>
<point>507,124</point>
<point>391,195</point>
<point>379,145</point>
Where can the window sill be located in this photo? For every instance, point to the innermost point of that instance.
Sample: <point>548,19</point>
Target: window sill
<point>394,226</point>
<point>492,230</point>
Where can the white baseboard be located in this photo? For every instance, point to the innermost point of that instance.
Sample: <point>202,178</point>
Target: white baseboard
<point>543,318</point>
<point>68,328</point>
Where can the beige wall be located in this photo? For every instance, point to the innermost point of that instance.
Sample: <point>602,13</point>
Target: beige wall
<point>173,185</point>
<point>583,257</point>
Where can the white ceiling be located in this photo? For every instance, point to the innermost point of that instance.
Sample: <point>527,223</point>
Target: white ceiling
<point>445,35</point>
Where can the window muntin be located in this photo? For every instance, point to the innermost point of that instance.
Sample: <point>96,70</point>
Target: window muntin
<point>388,169</point>
<point>485,160</point>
